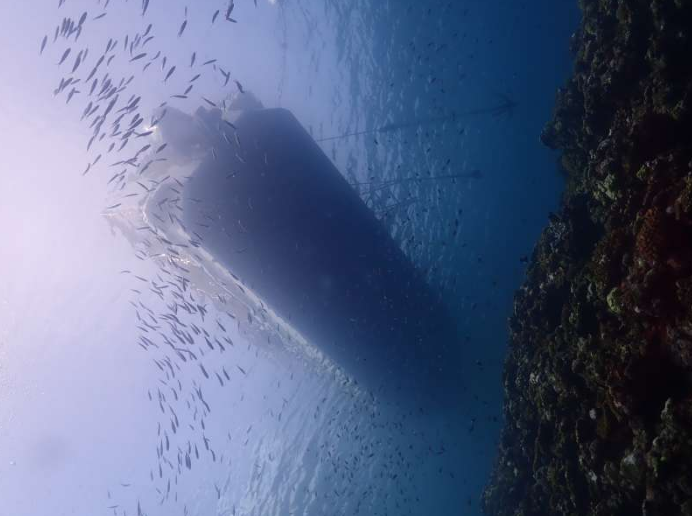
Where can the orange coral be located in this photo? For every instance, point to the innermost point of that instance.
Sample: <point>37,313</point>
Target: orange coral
<point>650,238</point>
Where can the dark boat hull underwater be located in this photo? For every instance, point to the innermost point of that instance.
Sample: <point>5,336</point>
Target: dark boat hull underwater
<point>275,212</point>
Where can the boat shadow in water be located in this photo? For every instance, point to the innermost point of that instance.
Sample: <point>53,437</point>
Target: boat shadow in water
<point>271,208</point>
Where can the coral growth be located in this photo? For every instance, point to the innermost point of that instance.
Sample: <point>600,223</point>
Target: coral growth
<point>651,236</point>
<point>598,381</point>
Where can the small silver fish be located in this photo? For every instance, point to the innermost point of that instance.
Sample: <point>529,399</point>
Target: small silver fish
<point>170,72</point>
<point>64,56</point>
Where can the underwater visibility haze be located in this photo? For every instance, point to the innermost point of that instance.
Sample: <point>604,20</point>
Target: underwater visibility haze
<point>319,257</point>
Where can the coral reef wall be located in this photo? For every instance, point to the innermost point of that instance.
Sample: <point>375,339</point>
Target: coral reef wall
<point>598,379</point>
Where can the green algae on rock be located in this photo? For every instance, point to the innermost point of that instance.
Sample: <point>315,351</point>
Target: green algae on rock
<point>598,379</point>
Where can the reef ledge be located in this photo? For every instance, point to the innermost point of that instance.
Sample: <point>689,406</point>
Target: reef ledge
<point>598,377</point>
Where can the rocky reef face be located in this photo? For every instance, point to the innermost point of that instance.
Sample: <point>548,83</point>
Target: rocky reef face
<point>598,380</point>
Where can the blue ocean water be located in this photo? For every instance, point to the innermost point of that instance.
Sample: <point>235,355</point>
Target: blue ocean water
<point>285,431</point>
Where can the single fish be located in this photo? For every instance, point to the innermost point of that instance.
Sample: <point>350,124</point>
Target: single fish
<point>170,72</point>
<point>77,62</point>
<point>64,56</point>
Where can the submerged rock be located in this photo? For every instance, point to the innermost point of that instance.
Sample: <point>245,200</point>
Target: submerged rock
<point>598,380</point>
